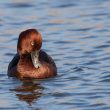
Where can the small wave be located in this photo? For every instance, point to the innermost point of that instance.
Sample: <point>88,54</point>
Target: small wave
<point>18,5</point>
<point>65,5</point>
<point>9,54</point>
<point>103,46</point>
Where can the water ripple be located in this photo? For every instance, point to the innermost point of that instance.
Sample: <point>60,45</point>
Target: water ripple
<point>18,5</point>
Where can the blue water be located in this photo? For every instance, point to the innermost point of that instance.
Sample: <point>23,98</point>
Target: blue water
<point>76,33</point>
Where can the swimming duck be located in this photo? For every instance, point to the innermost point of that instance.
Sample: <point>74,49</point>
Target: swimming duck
<point>30,60</point>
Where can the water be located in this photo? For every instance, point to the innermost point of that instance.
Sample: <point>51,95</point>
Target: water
<point>76,34</point>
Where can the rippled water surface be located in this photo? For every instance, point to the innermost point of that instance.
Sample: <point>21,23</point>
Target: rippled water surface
<point>76,33</point>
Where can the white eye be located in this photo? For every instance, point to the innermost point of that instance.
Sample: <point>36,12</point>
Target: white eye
<point>32,43</point>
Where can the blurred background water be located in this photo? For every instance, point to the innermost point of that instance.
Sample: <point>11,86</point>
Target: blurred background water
<point>76,33</point>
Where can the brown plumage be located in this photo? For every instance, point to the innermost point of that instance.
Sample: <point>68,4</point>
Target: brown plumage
<point>22,65</point>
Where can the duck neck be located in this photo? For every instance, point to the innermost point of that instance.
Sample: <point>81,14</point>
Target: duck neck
<point>35,59</point>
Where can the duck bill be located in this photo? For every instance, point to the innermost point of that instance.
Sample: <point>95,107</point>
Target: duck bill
<point>35,60</point>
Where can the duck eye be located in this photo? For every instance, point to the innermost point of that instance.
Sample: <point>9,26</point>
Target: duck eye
<point>32,43</point>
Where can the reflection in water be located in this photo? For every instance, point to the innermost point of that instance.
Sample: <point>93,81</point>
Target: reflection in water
<point>28,91</point>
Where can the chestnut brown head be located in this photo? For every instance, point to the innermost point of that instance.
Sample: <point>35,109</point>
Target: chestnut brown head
<point>29,41</point>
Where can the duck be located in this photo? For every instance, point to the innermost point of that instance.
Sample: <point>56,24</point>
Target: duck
<point>30,61</point>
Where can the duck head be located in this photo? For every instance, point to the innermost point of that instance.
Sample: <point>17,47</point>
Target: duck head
<point>30,42</point>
